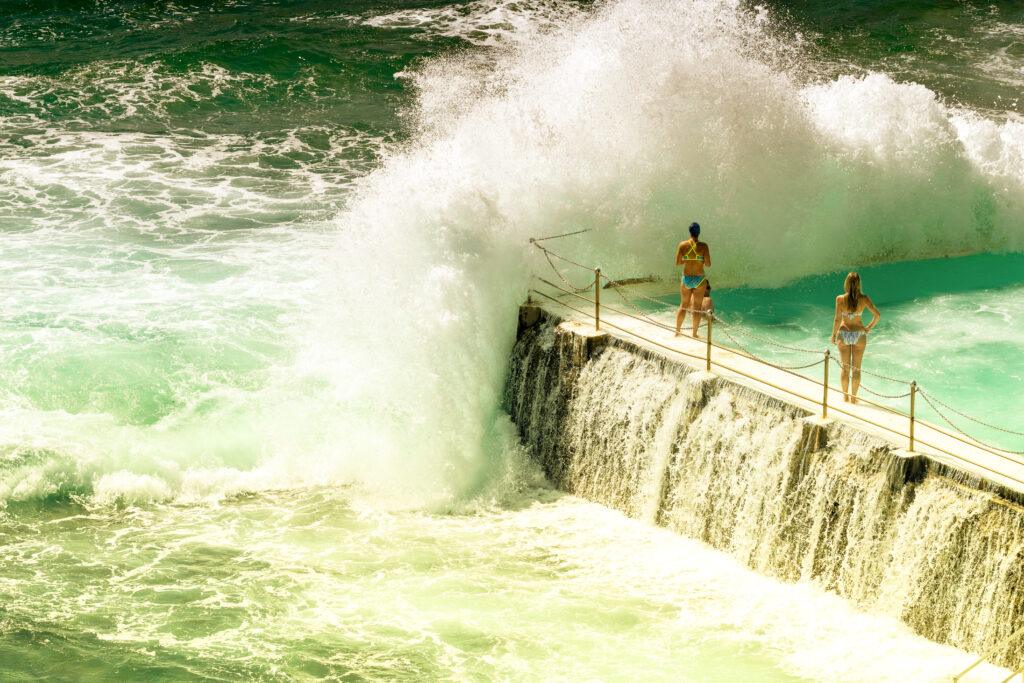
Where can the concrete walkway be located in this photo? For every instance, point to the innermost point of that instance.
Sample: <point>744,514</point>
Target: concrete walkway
<point>1002,469</point>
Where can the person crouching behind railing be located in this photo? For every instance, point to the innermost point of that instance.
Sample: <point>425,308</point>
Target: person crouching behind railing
<point>694,256</point>
<point>707,305</point>
<point>851,333</point>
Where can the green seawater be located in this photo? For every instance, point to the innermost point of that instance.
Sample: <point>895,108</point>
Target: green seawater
<point>260,263</point>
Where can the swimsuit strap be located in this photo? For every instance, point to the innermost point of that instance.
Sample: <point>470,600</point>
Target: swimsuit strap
<point>693,250</point>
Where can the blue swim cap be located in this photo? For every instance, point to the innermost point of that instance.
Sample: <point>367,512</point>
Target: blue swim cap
<point>694,229</point>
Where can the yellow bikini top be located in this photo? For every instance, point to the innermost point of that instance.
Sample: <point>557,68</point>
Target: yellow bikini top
<point>693,251</point>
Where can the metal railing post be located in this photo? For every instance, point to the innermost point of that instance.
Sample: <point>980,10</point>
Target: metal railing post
<point>913,391</point>
<point>824,396</point>
<point>597,299</point>
<point>711,317</point>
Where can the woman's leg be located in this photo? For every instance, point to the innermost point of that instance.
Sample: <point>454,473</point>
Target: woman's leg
<point>844,377</point>
<point>858,356</point>
<point>696,299</point>
<point>684,299</point>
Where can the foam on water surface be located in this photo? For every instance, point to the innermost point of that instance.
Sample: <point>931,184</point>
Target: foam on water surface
<point>209,295</point>
<point>542,586</point>
<point>631,118</point>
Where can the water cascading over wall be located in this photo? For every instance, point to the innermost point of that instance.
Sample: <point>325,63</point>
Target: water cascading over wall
<point>752,476</point>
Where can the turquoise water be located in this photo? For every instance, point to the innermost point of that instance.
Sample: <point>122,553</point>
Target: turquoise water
<point>952,325</point>
<point>261,263</point>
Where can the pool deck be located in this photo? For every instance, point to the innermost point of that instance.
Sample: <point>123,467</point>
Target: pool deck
<point>1003,470</point>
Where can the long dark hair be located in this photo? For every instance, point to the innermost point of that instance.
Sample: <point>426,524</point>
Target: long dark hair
<point>853,293</point>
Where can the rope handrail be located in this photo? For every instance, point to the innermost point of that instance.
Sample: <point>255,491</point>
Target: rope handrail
<point>617,285</point>
<point>968,417</point>
<point>562,277</point>
<point>667,328</point>
<point>620,288</point>
<point>873,374</point>
<point>751,355</point>
<point>945,419</point>
<point>555,237</point>
<point>642,318</point>
<point>775,365</point>
<point>572,308</point>
<point>717,346</point>
<point>834,408</point>
<point>1002,643</point>
<point>560,257</point>
<point>766,341</point>
<point>843,365</point>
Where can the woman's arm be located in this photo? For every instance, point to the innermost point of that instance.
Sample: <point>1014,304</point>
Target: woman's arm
<point>707,256</point>
<point>875,315</point>
<point>835,322</point>
<point>679,254</point>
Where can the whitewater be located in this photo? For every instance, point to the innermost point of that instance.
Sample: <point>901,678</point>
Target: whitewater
<point>262,267</point>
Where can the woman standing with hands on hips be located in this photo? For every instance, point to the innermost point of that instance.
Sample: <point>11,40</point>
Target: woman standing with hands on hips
<point>851,333</point>
<point>694,256</point>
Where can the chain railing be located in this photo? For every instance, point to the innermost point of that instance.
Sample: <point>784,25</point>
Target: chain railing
<point>731,331</point>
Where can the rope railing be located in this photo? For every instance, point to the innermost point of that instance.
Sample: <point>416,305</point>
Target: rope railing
<point>769,341</point>
<point>928,399</point>
<point>825,386</point>
<point>873,374</point>
<point>731,331</point>
<point>564,234</point>
<point>843,365</point>
<point>561,277</point>
<point>972,419</point>
<point>999,646</point>
<point>725,331</point>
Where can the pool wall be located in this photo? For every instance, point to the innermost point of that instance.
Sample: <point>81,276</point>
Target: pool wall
<point>789,495</point>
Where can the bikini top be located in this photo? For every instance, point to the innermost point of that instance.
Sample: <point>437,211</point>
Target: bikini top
<point>851,315</point>
<point>693,251</point>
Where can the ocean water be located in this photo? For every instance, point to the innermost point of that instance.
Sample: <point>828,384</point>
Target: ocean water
<point>261,263</point>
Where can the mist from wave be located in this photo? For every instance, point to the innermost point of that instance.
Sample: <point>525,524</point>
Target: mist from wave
<point>632,121</point>
<point>190,320</point>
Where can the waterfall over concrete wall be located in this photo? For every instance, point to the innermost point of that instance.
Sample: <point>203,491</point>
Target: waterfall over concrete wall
<point>753,476</point>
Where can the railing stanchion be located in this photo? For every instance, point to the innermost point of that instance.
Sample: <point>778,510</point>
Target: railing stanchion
<point>711,317</point>
<point>597,299</point>
<point>824,395</point>
<point>913,391</point>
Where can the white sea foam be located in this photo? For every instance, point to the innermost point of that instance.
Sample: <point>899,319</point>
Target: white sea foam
<point>550,587</point>
<point>483,24</point>
<point>632,118</point>
<point>632,123</point>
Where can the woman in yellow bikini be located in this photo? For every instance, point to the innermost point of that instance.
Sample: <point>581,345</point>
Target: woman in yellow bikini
<point>694,256</point>
<point>851,333</point>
